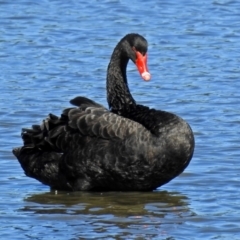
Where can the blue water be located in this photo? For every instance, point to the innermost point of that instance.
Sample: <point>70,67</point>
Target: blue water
<point>52,51</point>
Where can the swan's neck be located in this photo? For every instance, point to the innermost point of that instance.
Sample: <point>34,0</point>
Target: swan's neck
<point>118,94</point>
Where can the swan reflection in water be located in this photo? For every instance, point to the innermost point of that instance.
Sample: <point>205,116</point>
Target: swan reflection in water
<point>157,203</point>
<point>110,215</point>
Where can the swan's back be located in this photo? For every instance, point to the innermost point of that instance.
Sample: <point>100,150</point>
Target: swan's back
<point>89,148</point>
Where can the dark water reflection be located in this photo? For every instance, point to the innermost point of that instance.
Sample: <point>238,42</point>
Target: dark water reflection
<point>117,203</point>
<point>117,213</point>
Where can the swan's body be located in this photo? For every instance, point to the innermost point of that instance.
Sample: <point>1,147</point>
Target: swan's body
<point>130,147</point>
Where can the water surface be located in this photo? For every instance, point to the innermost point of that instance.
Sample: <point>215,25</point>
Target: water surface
<point>52,51</point>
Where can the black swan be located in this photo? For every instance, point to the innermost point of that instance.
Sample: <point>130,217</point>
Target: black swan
<point>127,148</point>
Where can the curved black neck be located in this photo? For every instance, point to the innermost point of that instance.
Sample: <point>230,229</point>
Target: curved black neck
<point>118,94</point>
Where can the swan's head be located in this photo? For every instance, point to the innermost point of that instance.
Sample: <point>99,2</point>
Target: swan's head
<point>136,47</point>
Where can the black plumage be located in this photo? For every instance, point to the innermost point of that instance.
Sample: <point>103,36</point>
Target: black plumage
<point>129,147</point>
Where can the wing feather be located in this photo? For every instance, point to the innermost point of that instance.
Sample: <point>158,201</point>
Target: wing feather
<point>97,122</point>
<point>89,120</point>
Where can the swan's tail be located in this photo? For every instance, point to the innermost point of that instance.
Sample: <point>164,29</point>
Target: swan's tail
<point>42,151</point>
<point>43,146</point>
<point>40,154</point>
<point>43,166</point>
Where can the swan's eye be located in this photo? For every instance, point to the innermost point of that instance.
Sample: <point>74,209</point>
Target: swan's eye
<point>143,53</point>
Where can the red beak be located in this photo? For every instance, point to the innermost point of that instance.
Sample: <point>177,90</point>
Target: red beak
<point>141,63</point>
